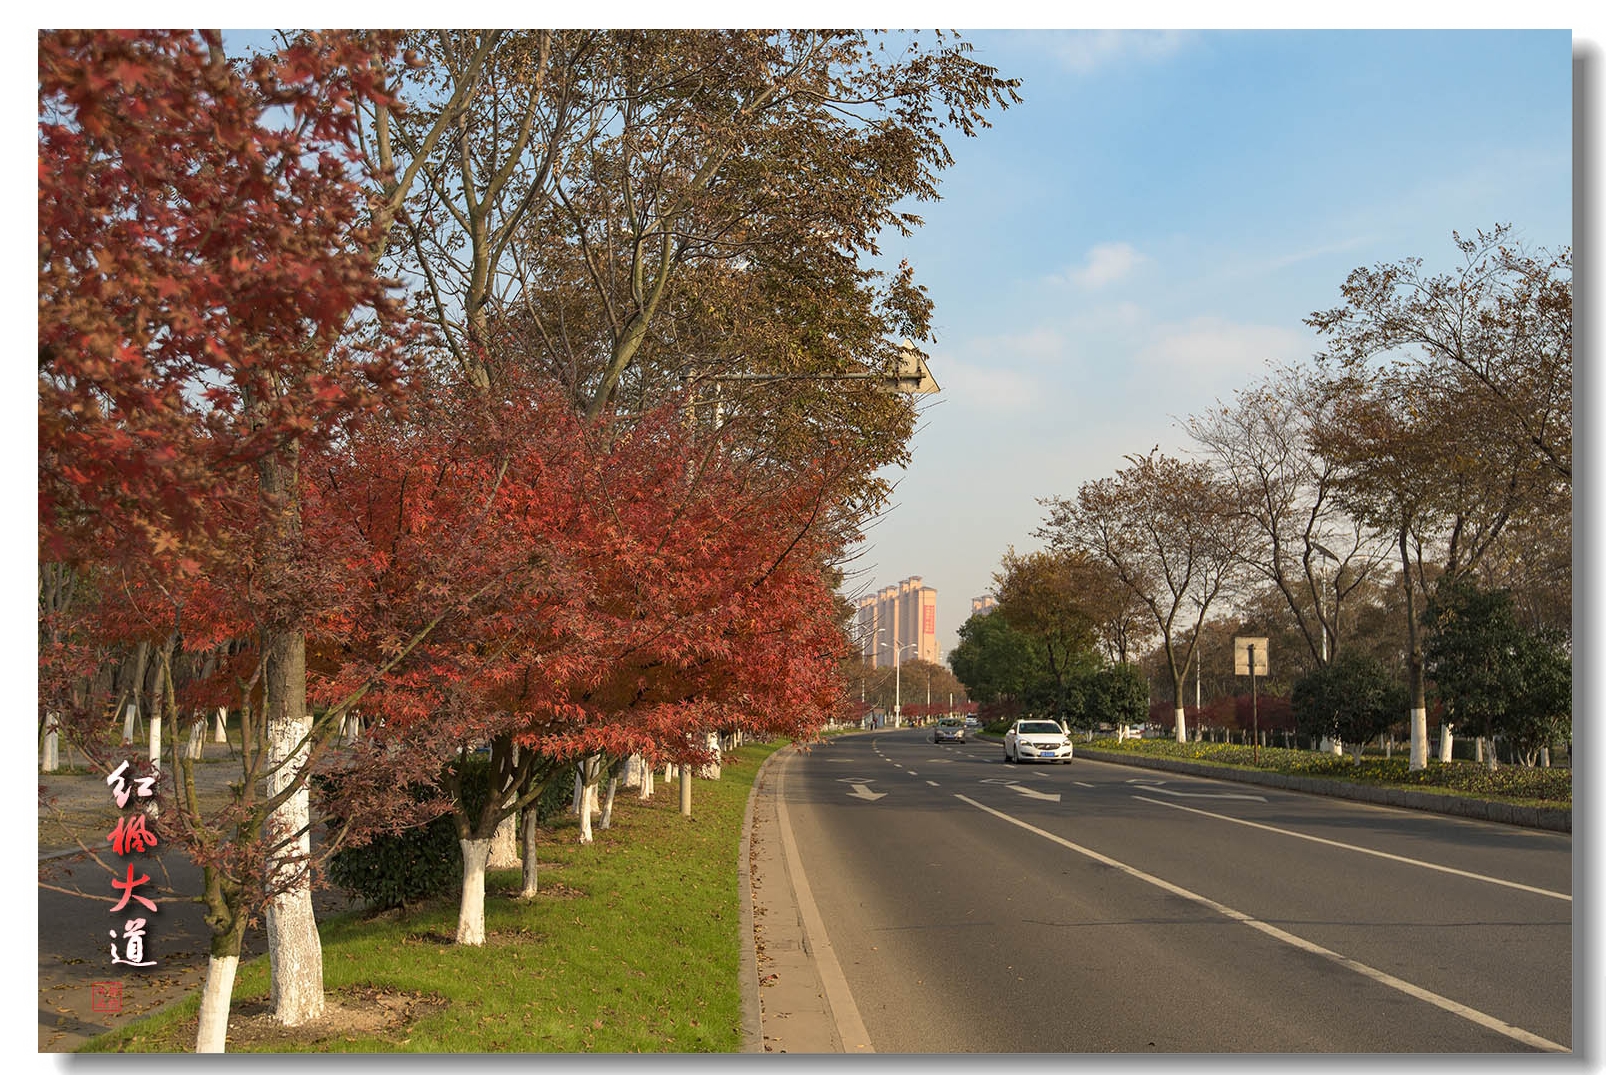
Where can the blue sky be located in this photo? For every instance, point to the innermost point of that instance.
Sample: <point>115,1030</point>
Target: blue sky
<point>1146,231</point>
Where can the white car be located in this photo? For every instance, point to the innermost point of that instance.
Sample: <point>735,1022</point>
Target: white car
<point>1037,740</point>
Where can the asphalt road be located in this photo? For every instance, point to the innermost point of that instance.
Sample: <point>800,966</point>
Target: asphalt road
<point>982,907</point>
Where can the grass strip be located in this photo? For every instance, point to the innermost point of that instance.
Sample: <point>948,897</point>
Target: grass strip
<point>1510,783</point>
<point>633,945</point>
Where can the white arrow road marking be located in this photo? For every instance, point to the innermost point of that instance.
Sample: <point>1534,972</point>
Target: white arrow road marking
<point>861,788</point>
<point>1366,851</point>
<point>1030,793</point>
<point>1204,794</point>
<point>1470,1014</point>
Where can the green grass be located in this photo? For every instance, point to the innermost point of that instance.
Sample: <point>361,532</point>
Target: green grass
<point>1510,783</point>
<point>633,945</point>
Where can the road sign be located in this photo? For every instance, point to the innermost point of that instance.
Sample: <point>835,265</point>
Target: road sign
<point>1240,656</point>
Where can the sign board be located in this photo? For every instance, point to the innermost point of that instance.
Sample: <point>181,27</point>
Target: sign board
<point>1240,656</point>
<point>911,376</point>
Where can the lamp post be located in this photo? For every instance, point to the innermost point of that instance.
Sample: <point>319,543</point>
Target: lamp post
<point>897,681</point>
<point>1329,554</point>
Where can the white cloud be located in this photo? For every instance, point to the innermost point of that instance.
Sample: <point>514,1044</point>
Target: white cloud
<point>1083,52</point>
<point>1212,351</point>
<point>994,389</point>
<point>1105,264</point>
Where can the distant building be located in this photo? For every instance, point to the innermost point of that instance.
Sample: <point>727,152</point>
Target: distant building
<point>901,617</point>
<point>983,604</point>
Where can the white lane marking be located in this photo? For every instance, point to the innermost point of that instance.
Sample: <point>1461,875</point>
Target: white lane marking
<point>1454,1007</point>
<point>849,1025</point>
<point>934,784</point>
<point>1204,794</point>
<point>913,773</point>
<point>1081,784</point>
<point>1365,850</point>
<point>861,792</point>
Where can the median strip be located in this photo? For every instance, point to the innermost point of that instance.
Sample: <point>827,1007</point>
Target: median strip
<point>1381,977</point>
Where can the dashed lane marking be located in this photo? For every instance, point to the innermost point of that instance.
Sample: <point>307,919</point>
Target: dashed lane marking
<point>1454,1007</point>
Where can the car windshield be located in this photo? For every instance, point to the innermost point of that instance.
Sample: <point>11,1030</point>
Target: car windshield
<point>951,723</point>
<point>1039,727</point>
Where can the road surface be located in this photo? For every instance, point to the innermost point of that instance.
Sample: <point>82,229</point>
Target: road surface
<point>977,906</point>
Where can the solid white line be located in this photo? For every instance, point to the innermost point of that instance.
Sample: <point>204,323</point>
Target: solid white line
<point>1453,1007</point>
<point>849,1026</point>
<point>1364,850</point>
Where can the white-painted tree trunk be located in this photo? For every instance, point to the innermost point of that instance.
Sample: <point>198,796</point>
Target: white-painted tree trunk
<point>50,758</point>
<point>295,952</point>
<point>711,770</point>
<point>1477,749</point>
<point>579,790</point>
<point>528,886</point>
<point>1446,741</point>
<point>353,728</point>
<point>156,741</point>
<point>631,776</point>
<point>1181,717</point>
<point>215,995</point>
<point>197,741</point>
<point>1419,738</point>
<point>606,821</point>
<point>1544,757</point>
<point>646,780</point>
<point>471,910</point>
<point>505,845</point>
<point>130,720</point>
<point>220,733</point>
<point>588,799</point>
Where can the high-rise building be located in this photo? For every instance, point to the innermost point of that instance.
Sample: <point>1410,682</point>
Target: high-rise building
<point>899,618</point>
<point>983,604</point>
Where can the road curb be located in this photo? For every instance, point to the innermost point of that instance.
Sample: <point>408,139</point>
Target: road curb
<point>1552,819</point>
<point>747,974</point>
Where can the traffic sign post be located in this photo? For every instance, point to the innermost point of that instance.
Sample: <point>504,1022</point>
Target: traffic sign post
<point>1249,658</point>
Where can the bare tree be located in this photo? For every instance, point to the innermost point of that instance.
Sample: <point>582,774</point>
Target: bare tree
<point>1300,539</point>
<point>1171,533</point>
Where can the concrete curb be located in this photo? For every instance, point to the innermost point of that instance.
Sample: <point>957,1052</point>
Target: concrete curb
<point>747,974</point>
<point>1553,819</point>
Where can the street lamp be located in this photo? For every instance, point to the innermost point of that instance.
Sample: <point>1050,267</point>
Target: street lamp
<point>1331,555</point>
<point>897,681</point>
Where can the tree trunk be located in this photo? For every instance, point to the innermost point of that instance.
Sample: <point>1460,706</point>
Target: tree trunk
<point>685,792</point>
<point>646,780</point>
<point>215,995</point>
<point>1446,741</point>
<point>606,821</point>
<point>528,888</point>
<point>1418,679</point>
<point>295,954</point>
<point>50,760</point>
<point>1544,757</point>
<point>588,794</point>
<point>218,989</point>
<point>1182,724</point>
<point>505,844</point>
<point>220,733</point>
<point>471,910</point>
<point>197,742</point>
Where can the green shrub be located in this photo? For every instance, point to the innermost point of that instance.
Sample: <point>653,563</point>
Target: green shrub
<point>414,864</point>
